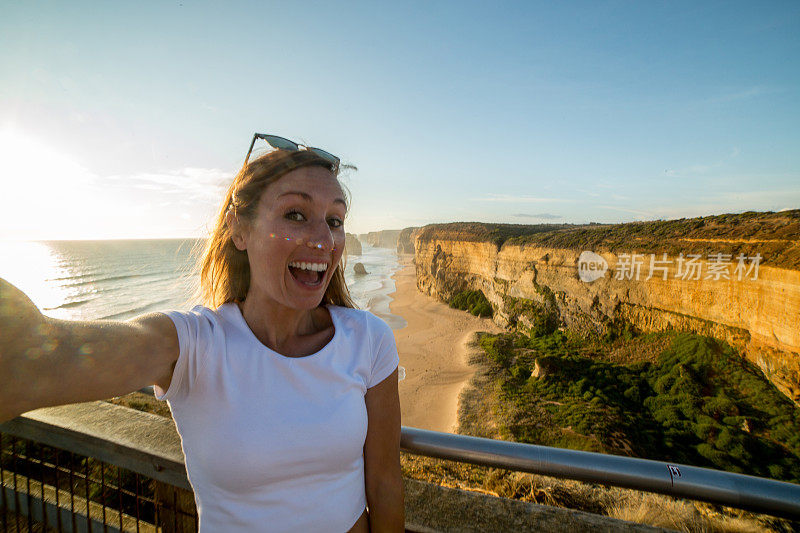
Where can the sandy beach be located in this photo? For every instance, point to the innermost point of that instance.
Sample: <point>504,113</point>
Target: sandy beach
<point>433,350</point>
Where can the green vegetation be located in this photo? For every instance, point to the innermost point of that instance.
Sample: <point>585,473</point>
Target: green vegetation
<point>540,319</point>
<point>483,232</point>
<point>773,235</point>
<point>473,301</point>
<point>696,402</point>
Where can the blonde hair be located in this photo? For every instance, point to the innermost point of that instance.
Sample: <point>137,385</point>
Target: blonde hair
<point>225,270</point>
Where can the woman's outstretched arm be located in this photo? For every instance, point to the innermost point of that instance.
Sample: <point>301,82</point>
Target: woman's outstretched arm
<point>45,361</point>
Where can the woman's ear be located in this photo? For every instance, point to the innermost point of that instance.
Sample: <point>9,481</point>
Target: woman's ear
<point>237,231</point>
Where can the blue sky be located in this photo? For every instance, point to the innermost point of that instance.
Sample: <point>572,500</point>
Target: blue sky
<point>125,119</point>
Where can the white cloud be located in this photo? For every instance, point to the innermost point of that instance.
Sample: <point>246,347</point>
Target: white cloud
<point>48,194</point>
<point>588,193</point>
<point>702,168</point>
<point>716,203</point>
<point>190,182</point>
<point>759,198</point>
<point>539,216</point>
<point>510,198</point>
<point>743,94</point>
<point>638,212</point>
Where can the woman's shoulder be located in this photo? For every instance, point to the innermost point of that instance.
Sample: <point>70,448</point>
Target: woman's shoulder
<point>202,314</point>
<point>202,310</point>
<point>358,319</point>
<point>351,313</point>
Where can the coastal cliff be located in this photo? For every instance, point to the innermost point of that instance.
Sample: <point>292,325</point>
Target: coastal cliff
<point>405,240</point>
<point>381,239</point>
<point>352,245</point>
<point>732,277</point>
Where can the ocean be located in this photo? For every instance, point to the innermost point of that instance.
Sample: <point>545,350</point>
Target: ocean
<point>119,279</point>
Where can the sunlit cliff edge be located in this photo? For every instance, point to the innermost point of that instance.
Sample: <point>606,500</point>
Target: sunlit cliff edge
<point>758,312</point>
<point>352,245</point>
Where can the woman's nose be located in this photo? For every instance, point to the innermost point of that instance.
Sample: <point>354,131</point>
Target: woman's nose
<point>321,237</point>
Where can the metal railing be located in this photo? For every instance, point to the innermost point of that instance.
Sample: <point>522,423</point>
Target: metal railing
<point>741,491</point>
<point>85,468</point>
<point>752,493</point>
<point>68,491</point>
<point>128,452</point>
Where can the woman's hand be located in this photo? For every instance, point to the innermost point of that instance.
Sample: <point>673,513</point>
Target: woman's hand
<point>44,361</point>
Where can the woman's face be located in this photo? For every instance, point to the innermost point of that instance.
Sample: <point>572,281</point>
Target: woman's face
<point>295,241</point>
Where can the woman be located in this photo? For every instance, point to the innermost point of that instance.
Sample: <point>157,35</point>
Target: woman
<point>284,395</point>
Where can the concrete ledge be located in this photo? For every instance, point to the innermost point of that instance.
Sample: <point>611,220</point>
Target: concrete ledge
<point>150,445</point>
<point>140,442</point>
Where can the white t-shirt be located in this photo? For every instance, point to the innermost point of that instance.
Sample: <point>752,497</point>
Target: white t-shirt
<point>275,443</point>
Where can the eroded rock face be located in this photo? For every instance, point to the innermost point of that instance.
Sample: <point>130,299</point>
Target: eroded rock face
<point>381,239</point>
<point>352,245</point>
<point>359,269</point>
<point>760,317</point>
<point>405,240</point>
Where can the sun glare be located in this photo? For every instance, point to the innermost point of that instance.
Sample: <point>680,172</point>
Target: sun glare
<point>44,193</point>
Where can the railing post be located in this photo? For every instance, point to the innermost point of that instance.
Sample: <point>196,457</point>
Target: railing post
<point>176,508</point>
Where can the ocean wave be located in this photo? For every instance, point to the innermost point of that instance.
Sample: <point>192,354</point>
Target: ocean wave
<point>71,277</point>
<point>68,305</point>
<point>117,278</point>
<point>151,306</point>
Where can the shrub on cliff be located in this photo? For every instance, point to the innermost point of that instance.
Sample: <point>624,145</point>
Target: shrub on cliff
<point>711,399</point>
<point>540,319</point>
<point>498,348</point>
<point>699,402</point>
<point>619,329</point>
<point>473,301</point>
<point>771,234</point>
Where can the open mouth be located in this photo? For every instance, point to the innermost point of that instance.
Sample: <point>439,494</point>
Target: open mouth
<point>310,274</point>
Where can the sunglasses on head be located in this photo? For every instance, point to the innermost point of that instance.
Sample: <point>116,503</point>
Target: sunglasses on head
<point>281,143</point>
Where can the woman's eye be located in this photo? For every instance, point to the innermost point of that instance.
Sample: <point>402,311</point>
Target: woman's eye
<point>335,222</point>
<point>296,216</point>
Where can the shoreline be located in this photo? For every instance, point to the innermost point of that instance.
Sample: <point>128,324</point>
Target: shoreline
<point>433,350</point>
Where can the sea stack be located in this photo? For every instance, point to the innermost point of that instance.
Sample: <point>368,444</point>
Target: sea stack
<point>352,245</point>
